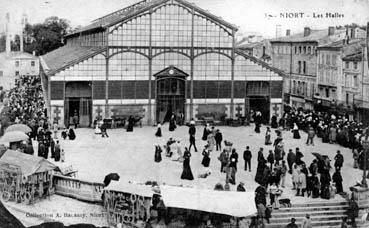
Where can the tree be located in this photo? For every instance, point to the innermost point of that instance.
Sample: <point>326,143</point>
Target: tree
<point>47,36</point>
<point>2,43</point>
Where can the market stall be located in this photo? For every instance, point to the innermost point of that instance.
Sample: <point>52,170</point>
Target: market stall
<point>25,178</point>
<point>127,203</point>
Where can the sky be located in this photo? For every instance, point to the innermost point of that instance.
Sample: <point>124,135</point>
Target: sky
<point>251,16</point>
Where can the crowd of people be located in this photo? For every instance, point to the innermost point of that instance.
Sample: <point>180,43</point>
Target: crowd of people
<point>25,104</point>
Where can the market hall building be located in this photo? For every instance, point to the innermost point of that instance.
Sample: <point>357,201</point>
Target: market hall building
<point>155,58</point>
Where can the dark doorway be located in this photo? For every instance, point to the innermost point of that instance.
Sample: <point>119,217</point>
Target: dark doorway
<point>78,101</point>
<point>171,96</point>
<point>262,104</point>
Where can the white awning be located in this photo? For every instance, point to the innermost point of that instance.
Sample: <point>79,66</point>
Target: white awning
<point>237,204</point>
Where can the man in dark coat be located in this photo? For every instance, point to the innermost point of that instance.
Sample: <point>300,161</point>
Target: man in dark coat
<point>192,132</point>
<point>291,159</point>
<point>218,139</point>
<point>261,155</point>
<point>299,156</point>
<point>41,150</point>
<point>247,157</point>
<point>233,159</point>
<point>338,160</point>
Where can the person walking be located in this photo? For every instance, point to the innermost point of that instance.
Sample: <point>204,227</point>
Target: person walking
<point>247,157</point>
<point>206,157</point>
<point>338,163</point>
<point>224,159</point>
<point>283,172</point>
<point>268,141</point>
<point>233,159</point>
<point>192,133</point>
<point>310,138</point>
<point>218,139</point>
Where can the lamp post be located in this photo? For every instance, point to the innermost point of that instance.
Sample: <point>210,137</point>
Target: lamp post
<point>365,151</point>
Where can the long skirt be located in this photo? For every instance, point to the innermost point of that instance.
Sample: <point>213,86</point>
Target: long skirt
<point>267,140</point>
<point>205,161</point>
<point>232,175</point>
<point>296,134</point>
<point>186,173</point>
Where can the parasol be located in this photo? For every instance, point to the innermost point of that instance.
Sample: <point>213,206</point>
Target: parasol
<point>318,156</point>
<point>19,127</point>
<point>14,136</point>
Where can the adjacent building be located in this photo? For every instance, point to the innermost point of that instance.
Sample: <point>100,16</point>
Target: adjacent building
<point>156,58</point>
<point>356,83</point>
<point>296,55</point>
<point>14,64</point>
<point>332,84</point>
<point>260,50</point>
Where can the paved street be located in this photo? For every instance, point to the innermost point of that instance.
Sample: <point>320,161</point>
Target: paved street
<point>131,155</point>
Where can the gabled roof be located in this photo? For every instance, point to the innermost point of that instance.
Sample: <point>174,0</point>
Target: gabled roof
<point>65,56</point>
<point>172,71</point>
<point>340,43</point>
<point>28,164</point>
<point>357,56</point>
<point>319,36</point>
<point>138,8</point>
<point>17,55</point>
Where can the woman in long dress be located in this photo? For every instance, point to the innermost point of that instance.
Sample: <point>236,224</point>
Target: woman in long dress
<point>296,133</point>
<point>158,131</point>
<point>186,173</point>
<point>71,134</point>
<point>205,133</point>
<point>267,137</point>
<point>206,158</point>
<point>172,123</point>
<point>158,151</point>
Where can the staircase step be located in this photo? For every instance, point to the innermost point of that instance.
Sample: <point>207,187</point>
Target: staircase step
<point>307,209</point>
<point>330,223</point>
<point>275,213</point>
<point>319,204</point>
<point>321,218</point>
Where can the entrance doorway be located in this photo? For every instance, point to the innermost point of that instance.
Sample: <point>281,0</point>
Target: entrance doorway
<point>171,94</point>
<point>78,102</point>
<point>262,104</point>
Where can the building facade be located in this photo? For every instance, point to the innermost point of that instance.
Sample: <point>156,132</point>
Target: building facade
<point>335,85</point>
<point>16,64</point>
<point>356,83</point>
<point>153,59</point>
<point>296,55</point>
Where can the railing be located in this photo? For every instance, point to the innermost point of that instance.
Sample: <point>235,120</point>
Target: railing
<point>78,189</point>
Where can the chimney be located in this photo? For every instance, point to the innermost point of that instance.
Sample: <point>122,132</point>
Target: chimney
<point>34,53</point>
<point>7,46</point>
<point>331,30</point>
<point>306,31</point>
<point>288,32</point>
